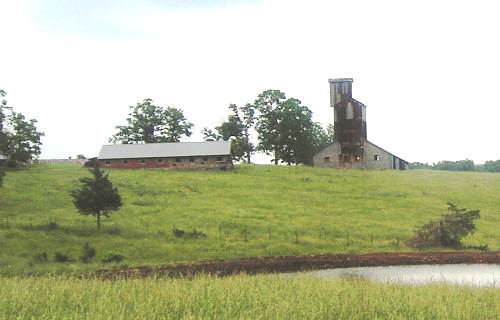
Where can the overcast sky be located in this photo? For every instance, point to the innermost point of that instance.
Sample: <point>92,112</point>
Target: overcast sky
<point>428,71</point>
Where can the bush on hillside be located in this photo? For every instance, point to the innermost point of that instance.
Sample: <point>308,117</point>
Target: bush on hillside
<point>41,257</point>
<point>447,231</point>
<point>88,253</point>
<point>179,233</point>
<point>113,257</point>
<point>62,258</point>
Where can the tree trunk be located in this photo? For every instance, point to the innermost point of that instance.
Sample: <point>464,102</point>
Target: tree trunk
<point>99,221</point>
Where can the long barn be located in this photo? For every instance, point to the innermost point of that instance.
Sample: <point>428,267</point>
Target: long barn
<point>173,155</point>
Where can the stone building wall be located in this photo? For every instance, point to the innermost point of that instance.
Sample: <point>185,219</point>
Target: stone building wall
<point>328,157</point>
<point>374,157</point>
<point>377,158</point>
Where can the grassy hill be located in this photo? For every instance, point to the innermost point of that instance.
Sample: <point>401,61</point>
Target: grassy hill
<point>251,211</point>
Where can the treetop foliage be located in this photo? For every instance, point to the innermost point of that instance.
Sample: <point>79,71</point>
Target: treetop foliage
<point>286,130</point>
<point>20,141</point>
<point>149,123</point>
<point>237,129</point>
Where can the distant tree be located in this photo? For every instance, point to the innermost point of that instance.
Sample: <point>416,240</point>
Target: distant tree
<point>461,165</point>
<point>419,165</point>
<point>21,142</point>
<point>25,143</point>
<point>236,128</point>
<point>96,196</point>
<point>447,231</point>
<point>286,130</point>
<point>148,123</point>
<point>491,166</point>
<point>3,134</point>
<point>330,131</point>
<point>269,104</point>
<point>81,157</point>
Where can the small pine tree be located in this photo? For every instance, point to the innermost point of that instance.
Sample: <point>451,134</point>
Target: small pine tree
<point>97,196</point>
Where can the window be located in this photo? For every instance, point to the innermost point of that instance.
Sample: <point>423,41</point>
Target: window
<point>160,160</point>
<point>177,159</point>
<point>376,157</point>
<point>191,159</point>
<point>349,111</point>
<point>205,158</point>
<point>142,161</point>
<point>327,159</point>
<point>108,161</point>
<point>219,158</point>
<point>125,161</point>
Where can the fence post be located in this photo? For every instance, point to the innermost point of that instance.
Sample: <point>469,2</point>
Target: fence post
<point>296,236</point>
<point>269,230</point>
<point>347,238</point>
<point>220,231</point>
<point>371,240</point>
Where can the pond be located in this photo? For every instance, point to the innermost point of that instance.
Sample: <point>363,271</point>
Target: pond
<point>478,275</point>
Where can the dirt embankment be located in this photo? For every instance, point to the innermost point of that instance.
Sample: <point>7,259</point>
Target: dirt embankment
<point>304,263</point>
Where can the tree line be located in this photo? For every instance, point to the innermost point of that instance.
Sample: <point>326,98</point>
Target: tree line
<point>460,165</point>
<point>284,127</point>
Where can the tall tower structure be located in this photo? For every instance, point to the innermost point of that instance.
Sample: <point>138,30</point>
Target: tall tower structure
<point>349,123</point>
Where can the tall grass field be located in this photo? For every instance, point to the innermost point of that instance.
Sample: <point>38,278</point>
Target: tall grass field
<point>239,297</point>
<point>250,211</point>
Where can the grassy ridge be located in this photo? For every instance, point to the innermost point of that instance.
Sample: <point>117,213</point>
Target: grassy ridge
<point>240,297</point>
<point>271,206</point>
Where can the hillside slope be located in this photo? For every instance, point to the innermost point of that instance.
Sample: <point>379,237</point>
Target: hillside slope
<point>251,211</point>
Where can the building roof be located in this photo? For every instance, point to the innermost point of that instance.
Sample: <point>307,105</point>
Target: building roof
<point>165,150</point>
<point>386,151</point>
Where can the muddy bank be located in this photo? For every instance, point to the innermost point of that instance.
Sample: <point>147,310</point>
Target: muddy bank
<point>304,263</point>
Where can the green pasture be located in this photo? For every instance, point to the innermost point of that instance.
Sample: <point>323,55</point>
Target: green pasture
<point>254,210</point>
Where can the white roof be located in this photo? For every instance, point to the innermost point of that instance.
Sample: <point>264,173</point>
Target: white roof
<point>165,150</point>
<point>2,157</point>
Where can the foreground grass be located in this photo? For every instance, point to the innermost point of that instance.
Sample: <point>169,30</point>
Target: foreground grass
<point>251,211</point>
<point>239,297</point>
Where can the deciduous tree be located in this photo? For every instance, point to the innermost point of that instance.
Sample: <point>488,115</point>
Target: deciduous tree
<point>149,123</point>
<point>237,129</point>
<point>286,130</point>
<point>20,140</point>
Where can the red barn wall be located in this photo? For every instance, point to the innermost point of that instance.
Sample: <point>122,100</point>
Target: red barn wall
<point>203,162</point>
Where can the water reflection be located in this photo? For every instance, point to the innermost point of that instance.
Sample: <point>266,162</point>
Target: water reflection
<point>480,275</point>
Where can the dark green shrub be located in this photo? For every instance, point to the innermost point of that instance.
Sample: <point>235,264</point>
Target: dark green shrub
<point>41,257</point>
<point>62,258</point>
<point>113,257</point>
<point>88,253</point>
<point>179,233</point>
<point>448,231</point>
<point>52,226</point>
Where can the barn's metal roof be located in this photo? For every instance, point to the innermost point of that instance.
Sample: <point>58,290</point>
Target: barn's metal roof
<point>165,150</point>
